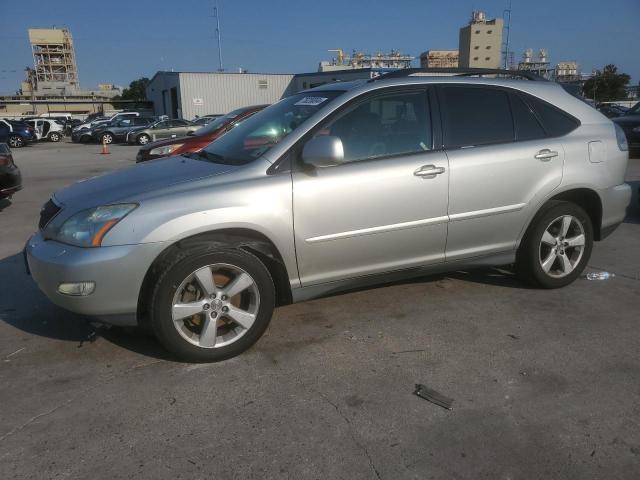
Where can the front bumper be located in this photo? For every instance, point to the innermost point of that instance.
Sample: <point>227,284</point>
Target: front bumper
<point>118,273</point>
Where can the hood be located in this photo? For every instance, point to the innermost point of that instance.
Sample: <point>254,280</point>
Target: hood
<point>141,178</point>
<point>627,120</point>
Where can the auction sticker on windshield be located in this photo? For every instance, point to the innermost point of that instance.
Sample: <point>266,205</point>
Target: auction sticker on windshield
<point>311,101</point>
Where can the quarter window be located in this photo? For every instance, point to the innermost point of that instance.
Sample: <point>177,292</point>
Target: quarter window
<point>382,126</point>
<point>527,126</point>
<point>475,116</point>
<point>554,121</point>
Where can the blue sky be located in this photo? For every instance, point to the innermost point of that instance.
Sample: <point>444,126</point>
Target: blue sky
<point>118,41</point>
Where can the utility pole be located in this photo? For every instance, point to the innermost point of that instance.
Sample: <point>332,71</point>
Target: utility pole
<point>217,17</point>
<point>506,15</point>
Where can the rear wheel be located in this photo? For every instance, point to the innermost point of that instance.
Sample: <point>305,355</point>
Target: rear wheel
<point>54,136</point>
<point>143,139</point>
<point>211,305</point>
<point>557,246</point>
<point>15,141</point>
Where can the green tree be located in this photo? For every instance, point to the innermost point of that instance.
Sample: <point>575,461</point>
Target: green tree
<point>607,85</point>
<point>137,90</point>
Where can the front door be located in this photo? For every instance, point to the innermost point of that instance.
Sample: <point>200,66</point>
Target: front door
<point>385,208</point>
<point>502,165</point>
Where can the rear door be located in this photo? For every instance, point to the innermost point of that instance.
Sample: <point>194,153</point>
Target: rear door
<point>502,163</point>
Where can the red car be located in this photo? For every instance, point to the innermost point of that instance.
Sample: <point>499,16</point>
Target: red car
<point>200,138</point>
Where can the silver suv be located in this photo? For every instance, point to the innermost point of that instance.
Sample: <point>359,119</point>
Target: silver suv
<point>338,187</point>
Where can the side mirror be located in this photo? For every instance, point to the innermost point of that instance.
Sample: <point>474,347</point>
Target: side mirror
<point>323,151</point>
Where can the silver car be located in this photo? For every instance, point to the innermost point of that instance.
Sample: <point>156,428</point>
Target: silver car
<point>342,186</point>
<point>159,130</point>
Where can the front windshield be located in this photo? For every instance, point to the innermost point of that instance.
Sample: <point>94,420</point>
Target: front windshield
<point>215,124</point>
<point>635,110</point>
<point>256,135</point>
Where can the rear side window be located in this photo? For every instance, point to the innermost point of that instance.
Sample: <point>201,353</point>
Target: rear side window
<point>527,125</point>
<point>555,121</point>
<point>475,116</point>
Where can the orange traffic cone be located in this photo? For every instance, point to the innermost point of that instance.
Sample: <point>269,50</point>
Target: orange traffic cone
<point>105,148</point>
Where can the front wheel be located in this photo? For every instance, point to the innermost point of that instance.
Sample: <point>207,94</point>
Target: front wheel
<point>557,246</point>
<point>211,305</point>
<point>143,139</point>
<point>106,138</point>
<point>16,141</point>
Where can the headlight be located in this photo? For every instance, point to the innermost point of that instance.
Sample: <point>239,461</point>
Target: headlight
<point>636,130</point>
<point>167,150</point>
<point>88,228</point>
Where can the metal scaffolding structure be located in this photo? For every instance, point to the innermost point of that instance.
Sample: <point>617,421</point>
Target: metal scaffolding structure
<point>54,58</point>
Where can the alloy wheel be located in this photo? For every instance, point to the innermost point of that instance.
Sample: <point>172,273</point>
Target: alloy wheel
<point>215,305</point>
<point>16,141</point>
<point>562,246</point>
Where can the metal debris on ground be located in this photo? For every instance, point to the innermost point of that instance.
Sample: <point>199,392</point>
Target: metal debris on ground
<point>433,396</point>
<point>599,276</point>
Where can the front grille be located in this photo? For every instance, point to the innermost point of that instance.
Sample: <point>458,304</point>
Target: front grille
<point>49,210</point>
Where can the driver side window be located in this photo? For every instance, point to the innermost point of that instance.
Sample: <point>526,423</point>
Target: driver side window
<point>382,126</point>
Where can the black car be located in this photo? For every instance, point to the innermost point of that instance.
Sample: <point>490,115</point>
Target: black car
<point>10,178</point>
<point>16,133</point>
<point>630,123</point>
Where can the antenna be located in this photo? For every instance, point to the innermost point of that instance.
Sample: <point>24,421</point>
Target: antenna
<point>506,15</point>
<point>217,17</point>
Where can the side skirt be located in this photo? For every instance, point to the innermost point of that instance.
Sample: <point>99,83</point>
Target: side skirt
<point>301,294</point>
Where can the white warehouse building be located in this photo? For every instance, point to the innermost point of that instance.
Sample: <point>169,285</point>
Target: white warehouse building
<point>187,94</point>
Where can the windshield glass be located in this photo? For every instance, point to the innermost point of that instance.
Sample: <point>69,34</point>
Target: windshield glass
<point>635,110</point>
<point>256,135</point>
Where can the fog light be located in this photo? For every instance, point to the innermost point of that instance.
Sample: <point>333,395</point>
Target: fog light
<point>77,289</point>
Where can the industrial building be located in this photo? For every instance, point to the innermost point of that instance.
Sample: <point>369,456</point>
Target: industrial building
<point>480,42</point>
<point>54,60</point>
<point>361,60</point>
<point>439,59</point>
<point>191,94</point>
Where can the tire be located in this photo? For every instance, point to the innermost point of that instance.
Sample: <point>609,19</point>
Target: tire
<point>176,289</point>
<point>106,137</point>
<point>143,139</point>
<point>54,137</point>
<point>84,138</point>
<point>556,247</point>
<point>15,141</point>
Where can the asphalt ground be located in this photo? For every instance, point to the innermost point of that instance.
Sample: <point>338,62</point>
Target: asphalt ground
<point>545,384</point>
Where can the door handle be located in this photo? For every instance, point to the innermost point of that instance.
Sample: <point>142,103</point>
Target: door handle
<point>545,154</point>
<point>428,171</point>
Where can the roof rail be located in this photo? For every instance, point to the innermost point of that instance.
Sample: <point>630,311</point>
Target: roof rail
<point>461,72</point>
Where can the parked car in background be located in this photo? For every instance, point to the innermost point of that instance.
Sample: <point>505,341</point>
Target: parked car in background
<point>16,133</point>
<point>116,131</point>
<point>204,120</point>
<point>47,129</point>
<point>200,138</point>
<point>334,188</point>
<point>611,110</point>
<point>10,178</point>
<point>80,131</point>
<point>630,124</point>
<point>161,129</point>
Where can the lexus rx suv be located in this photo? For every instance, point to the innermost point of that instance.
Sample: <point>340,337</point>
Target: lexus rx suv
<point>342,186</point>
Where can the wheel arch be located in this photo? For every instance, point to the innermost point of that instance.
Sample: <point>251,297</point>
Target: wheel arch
<point>245,239</point>
<point>585,197</point>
